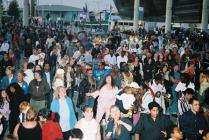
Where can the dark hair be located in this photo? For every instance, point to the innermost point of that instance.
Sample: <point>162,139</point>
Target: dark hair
<point>153,104</point>
<point>39,72</point>
<point>85,108</point>
<point>76,133</point>
<point>45,113</point>
<point>170,130</point>
<point>185,78</point>
<point>158,77</point>
<point>193,99</point>
<point>30,66</point>
<point>205,133</point>
<point>104,81</point>
<point>189,91</point>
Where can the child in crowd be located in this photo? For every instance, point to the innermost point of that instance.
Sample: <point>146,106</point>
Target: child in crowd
<point>174,133</point>
<point>23,107</point>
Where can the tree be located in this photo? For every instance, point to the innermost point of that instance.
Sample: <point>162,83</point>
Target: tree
<point>13,10</point>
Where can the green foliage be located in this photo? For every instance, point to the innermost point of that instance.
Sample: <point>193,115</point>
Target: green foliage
<point>13,9</point>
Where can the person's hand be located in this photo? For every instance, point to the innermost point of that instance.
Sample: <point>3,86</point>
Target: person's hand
<point>119,122</point>
<point>109,135</point>
<point>201,131</point>
<point>164,133</point>
<point>88,94</point>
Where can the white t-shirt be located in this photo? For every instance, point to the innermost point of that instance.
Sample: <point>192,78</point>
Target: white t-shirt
<point>182,87</point>
<point>111,60</point>
<point>127,99</point>
<point>64,116</point>
<point>4,47</point>
<point>121,59</point>
<point>89,129</point>
<point>33,58</point>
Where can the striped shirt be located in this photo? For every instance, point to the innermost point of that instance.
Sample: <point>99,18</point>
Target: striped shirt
<point>183,106</point>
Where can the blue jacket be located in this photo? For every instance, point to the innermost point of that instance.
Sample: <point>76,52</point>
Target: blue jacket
<point>24,86</point>
<point>5,81</point>
<point>55,107</point>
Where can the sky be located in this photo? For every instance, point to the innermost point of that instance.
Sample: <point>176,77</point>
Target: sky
<point>93,5</point>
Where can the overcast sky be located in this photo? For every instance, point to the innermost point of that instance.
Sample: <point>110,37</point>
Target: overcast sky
<point>93,5</point>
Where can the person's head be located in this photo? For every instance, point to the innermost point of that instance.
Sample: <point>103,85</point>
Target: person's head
<point>108,80</point>
<point>38,75</point>
<point>45,114</point>
<point>111,52</point>
<point>174,132</point>
<point>60,92</point>
<point>114,112</point>
<point>46,67</point>
<point>101,66</point>
<point>35,52</point>
<point>188,93</point>
<point>176,68</point>
<point>24,106</point>
<point>158,78</point>
<point>31,115</point>
<point>30,66</point>
<point>3,93</point>
<point>154,108</point>
<point>75,134</point>
<point>205,135</point>
<point>89,73</point>
<point>20,76</point>
<point>88,112</point>
<point>128,90</point>
<point>6,56</point>
<point>38,67</point>
<point>9,70</point>
<point>14,88</point>
<point>68,69</point>
<point>194,105</point>
<point>123,53</point>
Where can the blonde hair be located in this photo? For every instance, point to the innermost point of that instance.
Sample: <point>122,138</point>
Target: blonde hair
<point>56,95</point>
<point>118,127</point>
<point>31,115</point>
<point>128,90</point>
<point>23,105</point>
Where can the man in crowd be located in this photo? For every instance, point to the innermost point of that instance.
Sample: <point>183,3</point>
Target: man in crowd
<point>192,122</point>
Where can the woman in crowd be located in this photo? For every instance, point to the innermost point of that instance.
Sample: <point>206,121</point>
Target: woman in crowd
<point>88,84</point>
<point>88,125</point>
<point>68,79</point>
<point>137,70</point>
<point>4,111</point>
<point>58,79</point>
<point>30,129</point>
<point>50,127</point>
<point>107,96</point>
<point>63,106</point>
<point>16,96</point>
<point>118,128</point>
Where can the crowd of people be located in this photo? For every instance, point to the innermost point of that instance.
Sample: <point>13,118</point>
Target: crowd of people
<point>61,85</point>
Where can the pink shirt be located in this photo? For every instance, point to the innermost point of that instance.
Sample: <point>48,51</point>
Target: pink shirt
<point>106,96</point>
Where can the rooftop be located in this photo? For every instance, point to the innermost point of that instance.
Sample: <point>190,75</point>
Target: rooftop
<point>58,8</point>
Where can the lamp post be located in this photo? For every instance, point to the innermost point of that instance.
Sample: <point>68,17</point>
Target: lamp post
<point>136,14</point>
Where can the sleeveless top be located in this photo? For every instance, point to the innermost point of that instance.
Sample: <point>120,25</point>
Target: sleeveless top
<point>29,133</point>
<point>89,129</point>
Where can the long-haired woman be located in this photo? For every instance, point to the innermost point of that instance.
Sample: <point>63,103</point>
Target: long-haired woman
<point>118,128</point>
<point>107,97</point>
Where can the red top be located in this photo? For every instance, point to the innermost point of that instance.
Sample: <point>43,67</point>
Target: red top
<point>51,131</point>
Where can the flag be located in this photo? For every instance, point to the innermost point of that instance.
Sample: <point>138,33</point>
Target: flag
<point>141,13</point>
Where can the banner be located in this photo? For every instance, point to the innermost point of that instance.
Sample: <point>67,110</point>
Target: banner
<point>141,13</point>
